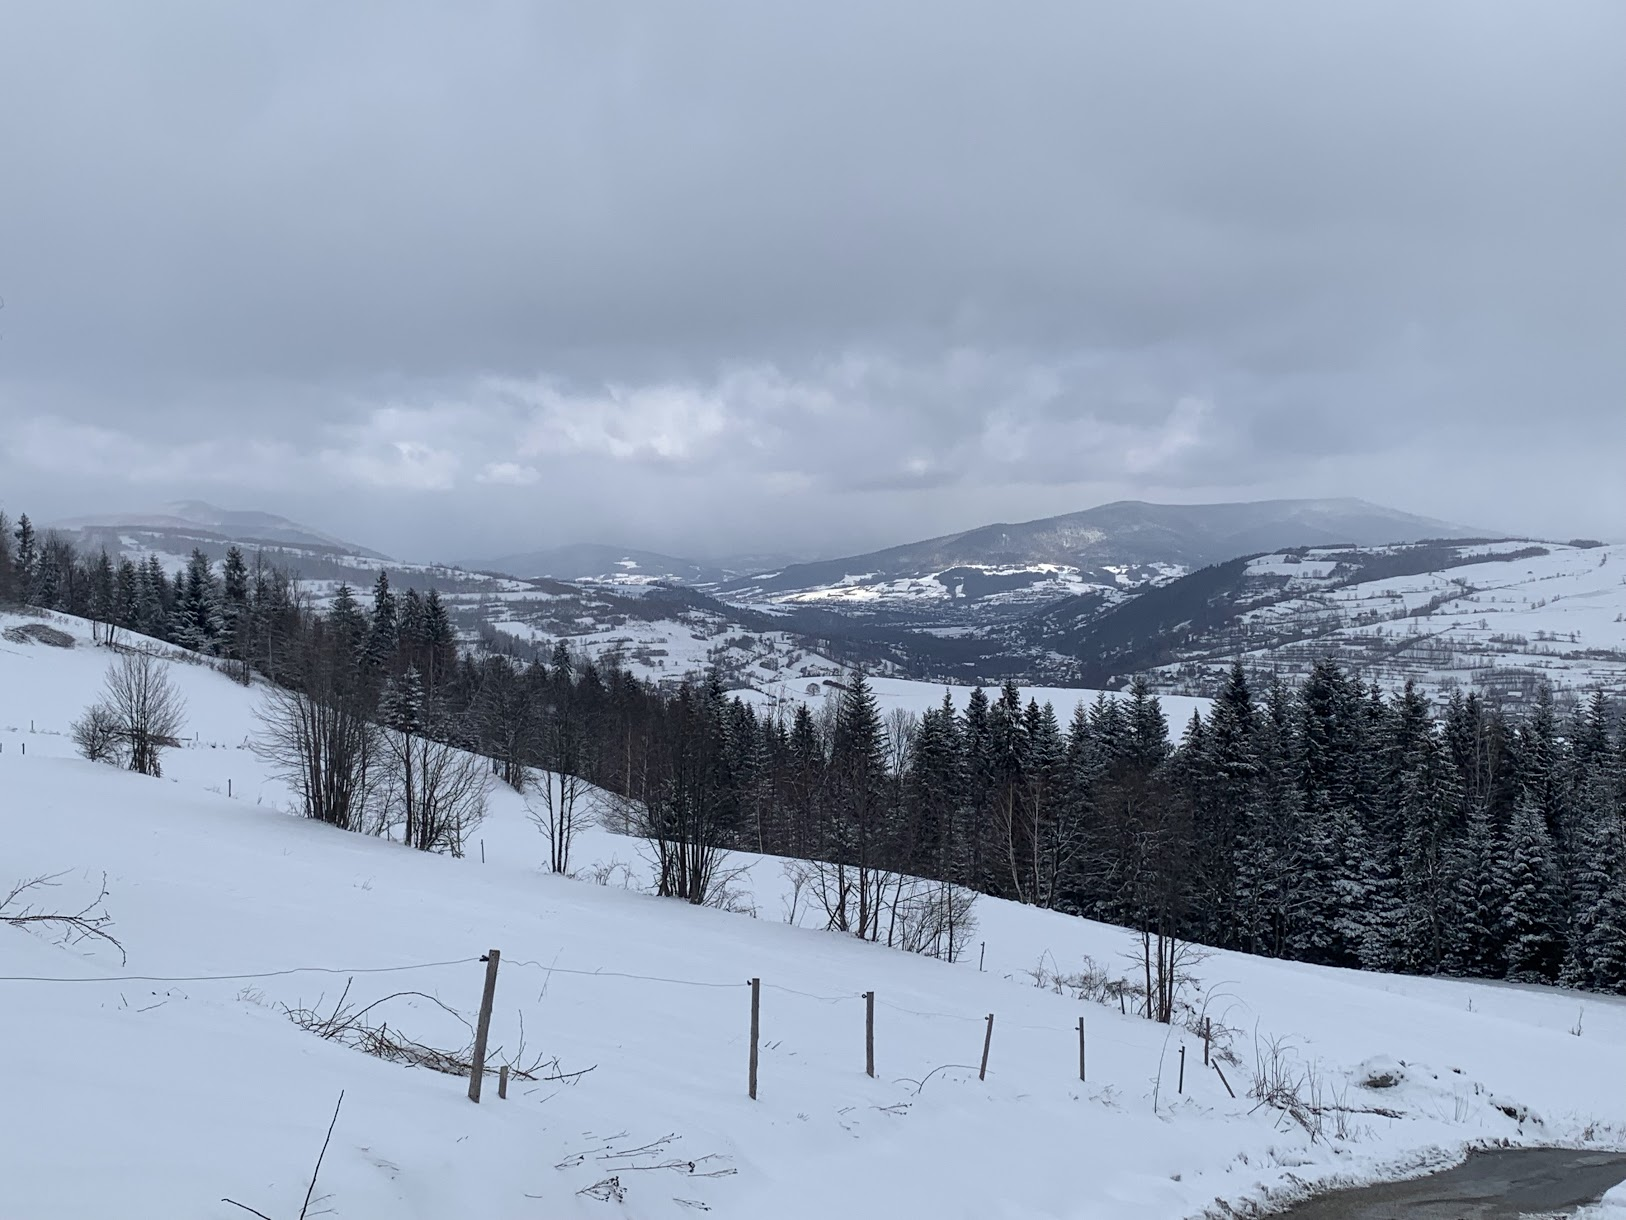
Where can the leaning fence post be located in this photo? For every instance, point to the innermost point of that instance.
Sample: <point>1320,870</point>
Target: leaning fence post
<point>1081,1048</point>
<point>1181,1086</point>
<point>482,1030</point>
<point>987,1041</point>
<point>756,1031</point>
<point>1224,1081</point>
<point>869,1034</point>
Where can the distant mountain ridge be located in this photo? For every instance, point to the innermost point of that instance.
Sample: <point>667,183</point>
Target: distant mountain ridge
<point>600,562</point>
<point>1125,532</point>
<point>185,517</point>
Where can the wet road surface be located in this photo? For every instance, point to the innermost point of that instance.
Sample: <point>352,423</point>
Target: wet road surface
<point>1499,1185</point>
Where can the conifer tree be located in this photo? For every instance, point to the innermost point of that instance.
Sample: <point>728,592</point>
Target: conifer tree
<point>25,560</point>
<point>236,621</point>
<point>439,641</point>
<point>152,615</point>
<point>48,579</point>
<point>382,634</point>
<point>977,738</point>
<point>1475,939</point>
<point>859,822</point>
<point>1224,804</point>
<point>127,595</point>
<point>1532,921</point>
<point>103,592</point>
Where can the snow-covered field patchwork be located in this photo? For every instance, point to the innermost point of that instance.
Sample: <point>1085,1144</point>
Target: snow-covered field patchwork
<point>1499,623</point>
<point>131,1093</point>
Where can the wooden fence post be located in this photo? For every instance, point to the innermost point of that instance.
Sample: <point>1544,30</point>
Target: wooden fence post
<point>1081,1048</point>
<point>502,1081</point>
<point>756,1031</point>
<point>1181,1087</point>
<point>869,1034</point>
<point>1224,1081</point>
<point>482,1030</point>
<point>987,1041</point>
<point>1208,1033</point>
<point>982,953</point>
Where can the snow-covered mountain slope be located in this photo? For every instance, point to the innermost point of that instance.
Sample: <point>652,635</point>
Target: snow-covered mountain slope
<point>654,632</point>
<point>598,564</point>
<point>1111,548</point>
<point>1498,616</point>
<point>158,1086</point>
<point>190,516</point>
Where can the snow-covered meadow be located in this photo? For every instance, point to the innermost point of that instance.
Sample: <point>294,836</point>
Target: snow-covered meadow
<point>1504,617</point>
<point>131,1092</point>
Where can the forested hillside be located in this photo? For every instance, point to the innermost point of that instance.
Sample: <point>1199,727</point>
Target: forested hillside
<point>1329,822</point>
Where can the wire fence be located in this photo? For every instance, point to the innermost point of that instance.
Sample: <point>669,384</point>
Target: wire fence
<point>547,969</point>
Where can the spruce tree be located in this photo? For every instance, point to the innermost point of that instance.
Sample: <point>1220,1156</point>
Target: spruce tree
<point>977,739</point>
<point>1223,804</point>
<point>104,590</point>
<point>48,580</point>
<point>1327,860</point>
<point>382,634</point>
<point>127,595</point>
<point>859,821</point>
<point>236,622</point>
<point>25,560</point>
<point>1430,802</point>
<point>1475,936</point>
<point>1532,921</point>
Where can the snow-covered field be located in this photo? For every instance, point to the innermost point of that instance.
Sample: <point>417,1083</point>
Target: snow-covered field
<point>1493,623</point>
<point>157,1087</point>
<point>667,650</point>
<point>978,586</point>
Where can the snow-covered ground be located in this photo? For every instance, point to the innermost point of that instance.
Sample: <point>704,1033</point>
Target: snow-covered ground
<point>666,650</point>
<point>1497,623</point>
<point>157,1087</point>
<point>984,585</point>
<point>1611,1207</point>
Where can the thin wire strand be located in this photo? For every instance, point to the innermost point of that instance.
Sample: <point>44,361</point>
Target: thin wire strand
<point>619,974</point>
<point>807,995</point>
<point>232,978</point>
<point>915,1012</point>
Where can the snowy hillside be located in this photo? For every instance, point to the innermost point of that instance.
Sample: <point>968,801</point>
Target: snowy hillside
<point>158,1086</point>
<point>960,594</point>
<point>1498,617</point>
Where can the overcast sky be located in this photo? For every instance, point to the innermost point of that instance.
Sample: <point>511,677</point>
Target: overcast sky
<point>458,279</point>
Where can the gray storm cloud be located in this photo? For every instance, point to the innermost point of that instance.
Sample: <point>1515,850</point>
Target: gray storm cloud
<point>462,278</point>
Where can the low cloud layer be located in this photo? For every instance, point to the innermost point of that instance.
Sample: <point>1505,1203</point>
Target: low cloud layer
<point>727,276</point>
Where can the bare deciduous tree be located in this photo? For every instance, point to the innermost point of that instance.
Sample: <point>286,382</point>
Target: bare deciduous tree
<point>556,814</point>
<point>145,710</point>
<point>434,791</point>
<point>322,748</point>
<point>96,735</point>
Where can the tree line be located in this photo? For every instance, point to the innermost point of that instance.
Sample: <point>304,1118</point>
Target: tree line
<point>1327,822</point>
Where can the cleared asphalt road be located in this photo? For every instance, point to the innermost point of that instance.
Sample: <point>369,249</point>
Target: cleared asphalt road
<point>1500,1185</point>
